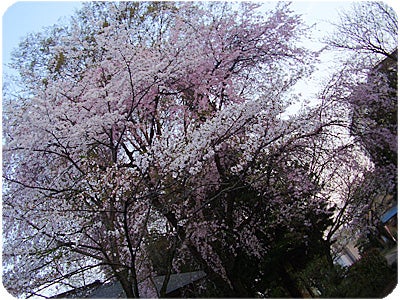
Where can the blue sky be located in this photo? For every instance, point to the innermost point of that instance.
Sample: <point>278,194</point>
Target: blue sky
<point>22,18</point>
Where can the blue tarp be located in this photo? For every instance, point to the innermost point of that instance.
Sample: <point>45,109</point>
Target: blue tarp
<point>389,214</point>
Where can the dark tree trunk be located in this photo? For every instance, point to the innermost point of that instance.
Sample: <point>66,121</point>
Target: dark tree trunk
<point>289,283</point>
<point>239,288</point>
<point>127,287</point>
<point>213,276</point>
<point>326,244</point>
<point>163,290</point>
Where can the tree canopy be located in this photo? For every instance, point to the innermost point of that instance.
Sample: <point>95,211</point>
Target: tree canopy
<point>153,137</point>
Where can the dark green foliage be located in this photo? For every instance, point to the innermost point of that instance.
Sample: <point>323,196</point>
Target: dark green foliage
<point>320,277</point>
<point>367,278</point>
<point>157,247</point>
<point>160,250</point>
<point>370,277</point>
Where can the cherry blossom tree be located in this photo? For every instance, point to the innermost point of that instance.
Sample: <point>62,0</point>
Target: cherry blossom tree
<point>143,118</point>
<point>369,28</point>
<point>366,87</point>
<point>373,76</point>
